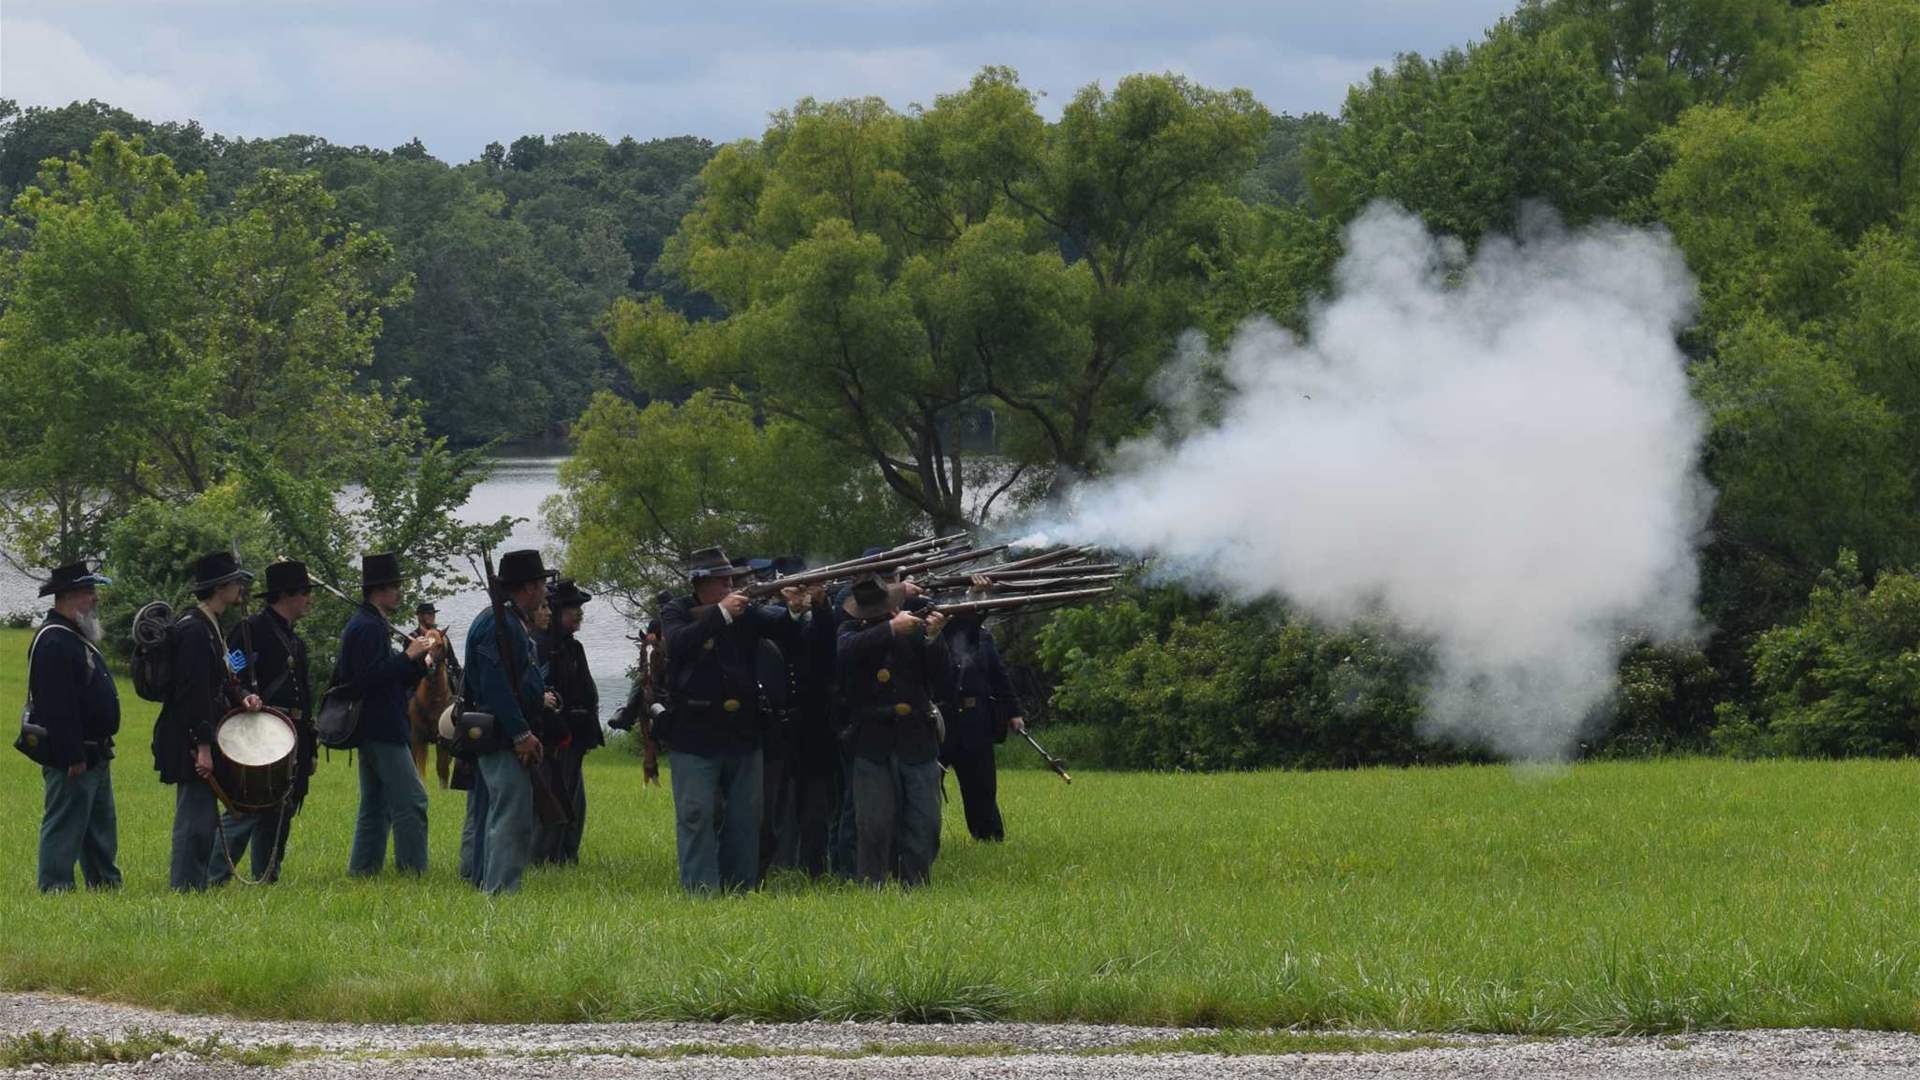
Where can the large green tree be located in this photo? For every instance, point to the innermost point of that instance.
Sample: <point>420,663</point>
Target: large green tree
<point>1797,213</point>
<point>888,276</point>
<point>142,337</point>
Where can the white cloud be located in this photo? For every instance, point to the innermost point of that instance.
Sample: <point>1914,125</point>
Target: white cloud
<point>459,74</point>
<point>43,64</point>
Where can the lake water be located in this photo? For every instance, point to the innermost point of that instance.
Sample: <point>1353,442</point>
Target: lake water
<point>516,489</point>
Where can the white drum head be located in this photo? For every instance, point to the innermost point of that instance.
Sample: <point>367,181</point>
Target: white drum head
<point>255,738</point>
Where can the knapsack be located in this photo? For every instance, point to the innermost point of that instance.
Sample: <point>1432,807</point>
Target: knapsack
<point>152,651</point>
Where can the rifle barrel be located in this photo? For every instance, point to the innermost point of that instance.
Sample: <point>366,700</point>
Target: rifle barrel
<point>1048,558</point>
<point>1007,603</point>
<point>882,563</point>
<point>954,558</point>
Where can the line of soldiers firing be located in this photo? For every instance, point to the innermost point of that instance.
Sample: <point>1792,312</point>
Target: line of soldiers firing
<point>810,733</point>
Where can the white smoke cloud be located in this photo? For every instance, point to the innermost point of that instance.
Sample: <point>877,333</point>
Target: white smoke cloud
<point>1500,455</point>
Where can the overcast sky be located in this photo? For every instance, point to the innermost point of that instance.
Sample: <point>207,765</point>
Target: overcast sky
<point>461,73</point>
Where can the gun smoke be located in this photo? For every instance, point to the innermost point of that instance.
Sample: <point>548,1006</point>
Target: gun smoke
<point>1497,454</point>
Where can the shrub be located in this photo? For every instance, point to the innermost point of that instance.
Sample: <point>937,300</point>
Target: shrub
<point>1845,679</point>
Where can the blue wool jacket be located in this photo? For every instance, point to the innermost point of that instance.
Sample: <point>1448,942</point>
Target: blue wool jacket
<point>380,675</point>
<point>487,686</point>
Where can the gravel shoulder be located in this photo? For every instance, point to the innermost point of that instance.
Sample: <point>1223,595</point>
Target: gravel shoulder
<point>590,1051</point>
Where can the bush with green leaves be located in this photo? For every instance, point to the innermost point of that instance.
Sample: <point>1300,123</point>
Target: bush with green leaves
<point>151,550</point>
<point>1843,681</point>
<point>1180,684</point>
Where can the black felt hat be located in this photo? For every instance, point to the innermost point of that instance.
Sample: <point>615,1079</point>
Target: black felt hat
<point>72,577</point>
<point>713,562</point>
<point>565,594</point>
<point>379,570</point>
<point>286,577</point>
<point>217,569</point>
<point>521,567</point>
<point>872,598</point>
<point>425,607</point>
<point>789,564</point>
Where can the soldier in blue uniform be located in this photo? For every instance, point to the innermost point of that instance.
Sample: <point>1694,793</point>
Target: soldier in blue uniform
<point>392,799</point>
<point>277,671</point>
<point>71,695</point>
<point>496,841</point>
<point>203,687</point>
<point>714,745</point>
<point>564,660</point>
<point>892,667</point>
<point>982,707</point>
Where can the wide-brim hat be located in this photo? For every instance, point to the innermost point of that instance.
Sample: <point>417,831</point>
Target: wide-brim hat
<point>285,577</point>
<point>873,598</point>
<point>425,607</point>
<point>789,564</point>
<point>522,567</point>
<point>217,569</point>
<point>713,562</point>
<point>379,571</point>
<point>73,576</point>
<point>565,594</point>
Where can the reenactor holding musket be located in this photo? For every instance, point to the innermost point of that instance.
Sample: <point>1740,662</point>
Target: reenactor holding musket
<point>891,667</point>
<point>982,707</point>
<point>504,683</point>
<point>564,660</point>
<point>714,744</point>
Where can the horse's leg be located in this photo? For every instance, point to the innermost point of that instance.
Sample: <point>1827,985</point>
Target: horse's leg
<point>414,744</point>
<point>442,762</point>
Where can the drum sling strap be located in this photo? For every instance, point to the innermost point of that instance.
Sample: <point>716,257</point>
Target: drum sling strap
<point>213,781</point>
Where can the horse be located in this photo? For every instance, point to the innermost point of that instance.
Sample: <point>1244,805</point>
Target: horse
<point>431,698</point>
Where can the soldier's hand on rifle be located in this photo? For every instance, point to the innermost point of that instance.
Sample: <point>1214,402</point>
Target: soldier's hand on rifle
<point>203,760</point>
<point>981,583</point>
<point>252,703</point>
<point>906,622</point>
<point>1019,725</point>
<point>735,604</point>
<point>912,587</point>
<point>796,598</point>
<point>817,595</point>
<point>551,700</point>
<point>936,622</point>
<point>418,646</point>
<point>527,749</point>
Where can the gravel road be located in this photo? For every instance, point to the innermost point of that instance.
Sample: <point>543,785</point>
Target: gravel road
<point>592,1051</point>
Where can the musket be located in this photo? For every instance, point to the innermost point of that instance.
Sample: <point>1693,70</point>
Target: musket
<point>1009,603</point>
<point>1086,571</point>
<point>1053,763</point>
<point>1025,588</point>
<point>876,564</point>
<point>910,549</point>
<point>955,558</point>
<point>1048,558</point>
<point>1062,570</point>
<point>546,805</point>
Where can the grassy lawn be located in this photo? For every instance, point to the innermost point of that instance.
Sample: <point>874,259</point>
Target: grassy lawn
<point>1603,898</point>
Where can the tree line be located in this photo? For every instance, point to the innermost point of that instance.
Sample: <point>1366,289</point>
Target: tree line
<point>795,342</point>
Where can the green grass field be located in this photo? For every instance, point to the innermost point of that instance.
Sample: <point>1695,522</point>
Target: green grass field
<point>1604,898</point>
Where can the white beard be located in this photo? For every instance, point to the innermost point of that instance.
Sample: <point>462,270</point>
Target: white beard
<point>90,626</point>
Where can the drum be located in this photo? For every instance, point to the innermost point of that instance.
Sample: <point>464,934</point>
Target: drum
<point>255,755</point>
